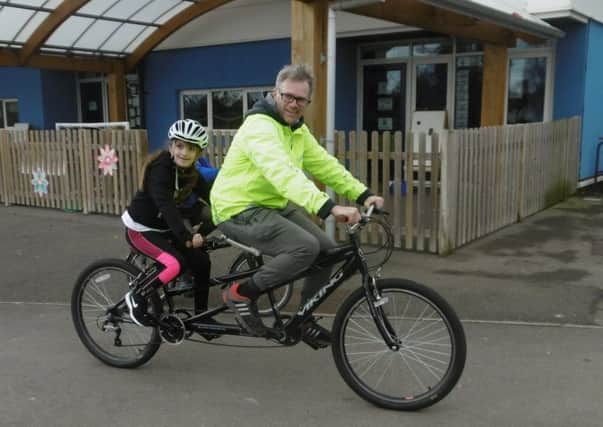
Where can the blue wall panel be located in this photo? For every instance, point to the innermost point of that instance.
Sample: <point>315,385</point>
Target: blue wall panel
<point>60,97</point>
<point>592,126</point>
<point>25,84</point>
<point>166,73</point>
<point>569,72</point>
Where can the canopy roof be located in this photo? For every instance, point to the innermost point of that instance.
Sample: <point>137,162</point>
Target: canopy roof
<point>111,27</point>
<point>511,14</point>
<point>108,35</point>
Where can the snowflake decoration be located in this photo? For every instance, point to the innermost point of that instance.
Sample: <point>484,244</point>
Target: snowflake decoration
<point>107,160</point>
<point>39,182</point>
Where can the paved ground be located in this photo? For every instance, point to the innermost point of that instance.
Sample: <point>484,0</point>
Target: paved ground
<point>530,296</point>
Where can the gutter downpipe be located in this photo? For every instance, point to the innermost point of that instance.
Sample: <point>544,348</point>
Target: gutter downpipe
<point>331,53</point>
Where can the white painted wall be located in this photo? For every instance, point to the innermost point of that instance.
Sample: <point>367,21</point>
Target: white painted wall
<point>249,20</point>
<point>588,8</point>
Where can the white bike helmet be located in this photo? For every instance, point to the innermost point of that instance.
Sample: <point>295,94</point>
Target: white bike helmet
<point>188,130</point>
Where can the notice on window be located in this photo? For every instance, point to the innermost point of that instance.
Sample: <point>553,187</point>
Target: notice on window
<point>92,106</point>
<point>384,123</point>
<point>382,88</point>
<point>385,104</point>
<point>461,118</point>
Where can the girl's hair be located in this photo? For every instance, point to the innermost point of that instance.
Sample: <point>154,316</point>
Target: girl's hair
<point>189,176</point>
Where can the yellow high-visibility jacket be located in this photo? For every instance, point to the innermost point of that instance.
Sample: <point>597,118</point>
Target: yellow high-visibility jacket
<point>265,165</point>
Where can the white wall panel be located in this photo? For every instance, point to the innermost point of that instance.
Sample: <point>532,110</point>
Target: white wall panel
<point>588,8</point>
<point>249,20</point>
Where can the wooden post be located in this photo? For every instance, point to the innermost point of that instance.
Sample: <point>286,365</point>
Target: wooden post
<point>117,95</point>
<point>4,165</point>
<point>309,46</point>
<point>494,86</point>
<point>448,196</point>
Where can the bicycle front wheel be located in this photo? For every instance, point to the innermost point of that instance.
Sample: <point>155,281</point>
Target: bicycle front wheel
<point>110,334</point>
<point>431,354</point>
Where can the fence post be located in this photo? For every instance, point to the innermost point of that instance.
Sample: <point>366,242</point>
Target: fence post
<point>448,195</point>
<point>4,165</point>
<point>84,147</point>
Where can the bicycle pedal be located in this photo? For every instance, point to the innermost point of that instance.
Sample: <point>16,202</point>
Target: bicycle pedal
<point>314,344</point>
<point>276,334</point>
<point>209,337</point>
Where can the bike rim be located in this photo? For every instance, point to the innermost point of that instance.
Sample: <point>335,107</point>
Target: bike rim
<point>103,288</point>
<point>419,368</point>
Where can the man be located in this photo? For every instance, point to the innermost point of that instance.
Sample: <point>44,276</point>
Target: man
<point>261,186</point>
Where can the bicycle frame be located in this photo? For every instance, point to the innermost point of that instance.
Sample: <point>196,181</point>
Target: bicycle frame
<point>290,332</point>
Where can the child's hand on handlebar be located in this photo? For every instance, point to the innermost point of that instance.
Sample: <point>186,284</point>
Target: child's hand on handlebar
<point>196,242</point>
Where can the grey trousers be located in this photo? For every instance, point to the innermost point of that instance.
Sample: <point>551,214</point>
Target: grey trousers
<point>289,236</point>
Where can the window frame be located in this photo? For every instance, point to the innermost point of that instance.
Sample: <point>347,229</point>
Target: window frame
<point>209,97</point>
<point>547,52</point>
<point>3,112</point>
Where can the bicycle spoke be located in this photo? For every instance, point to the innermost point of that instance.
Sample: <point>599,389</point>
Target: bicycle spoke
<point>112,336</point>
<point>389,364</point>
<point>414,374</point>
<point>412,371</point>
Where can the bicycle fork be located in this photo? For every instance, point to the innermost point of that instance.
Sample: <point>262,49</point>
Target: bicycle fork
<point>375,303</point>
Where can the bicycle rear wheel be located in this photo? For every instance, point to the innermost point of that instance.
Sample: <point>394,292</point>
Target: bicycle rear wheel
<point>282,294</point>
<point>111,336</point>
<point>432,344</point>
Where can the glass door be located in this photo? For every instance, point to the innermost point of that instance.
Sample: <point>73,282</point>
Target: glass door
<point>431,85</point>
<point>384,104</point>
<point>384,97</point>
<point>92,100</point>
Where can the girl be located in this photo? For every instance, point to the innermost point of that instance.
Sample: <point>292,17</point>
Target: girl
<point>154,221</point>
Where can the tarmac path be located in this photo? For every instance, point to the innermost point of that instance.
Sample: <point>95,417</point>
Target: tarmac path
<point>529,295</point>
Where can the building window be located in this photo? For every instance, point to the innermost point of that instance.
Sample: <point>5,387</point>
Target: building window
<point>133,97</point>
<point>432,48</point>
<point>194,106</point>
<point>468,91</point>
<point>527,86</point>
<point>227,109</point>
<point>9,112</point>
<point>220,109</point>
<point>432,87</point>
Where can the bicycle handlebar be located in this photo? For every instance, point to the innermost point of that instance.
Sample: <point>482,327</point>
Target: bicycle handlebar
<point>222,241</point>
<point>364,218</point>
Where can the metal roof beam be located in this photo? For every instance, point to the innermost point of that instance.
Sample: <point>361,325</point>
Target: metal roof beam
<point>176,22</point>
<point>80,15</point>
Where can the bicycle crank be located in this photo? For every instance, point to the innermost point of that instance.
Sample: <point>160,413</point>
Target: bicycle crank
<point>171,329</point>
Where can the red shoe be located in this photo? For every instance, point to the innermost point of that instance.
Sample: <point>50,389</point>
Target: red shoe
<point>245,310</point>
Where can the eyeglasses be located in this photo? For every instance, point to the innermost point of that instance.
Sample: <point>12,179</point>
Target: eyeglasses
<point>289,98</point>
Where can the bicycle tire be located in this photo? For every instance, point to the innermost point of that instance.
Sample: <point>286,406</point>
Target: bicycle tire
<point>99,286</point>
<point>282,295</point>
<point>420,373</point>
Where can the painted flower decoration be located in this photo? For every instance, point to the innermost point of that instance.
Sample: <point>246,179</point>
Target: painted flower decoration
<point>107,160</point>
<point>39,182</point>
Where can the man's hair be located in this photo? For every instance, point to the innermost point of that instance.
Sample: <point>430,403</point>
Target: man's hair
<point>296,72</point>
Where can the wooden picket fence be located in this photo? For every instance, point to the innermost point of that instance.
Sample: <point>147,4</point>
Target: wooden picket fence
<point>459,185</point>
<point>380,159</point>
<point>414,220</point>
<point>493,177</point>
<point>60,169</point>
